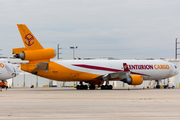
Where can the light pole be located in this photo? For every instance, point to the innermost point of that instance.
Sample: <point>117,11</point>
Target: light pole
<point>58,53</point>
<point>176,48</point>
<point>73,47</point>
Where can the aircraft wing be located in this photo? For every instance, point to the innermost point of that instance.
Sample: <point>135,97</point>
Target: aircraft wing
<point>122,74</point>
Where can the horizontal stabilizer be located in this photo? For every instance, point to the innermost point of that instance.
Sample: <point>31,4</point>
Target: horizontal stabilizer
<point>42,66</point>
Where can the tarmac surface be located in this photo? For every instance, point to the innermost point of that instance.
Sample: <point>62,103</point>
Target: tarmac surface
<point>72,104</point>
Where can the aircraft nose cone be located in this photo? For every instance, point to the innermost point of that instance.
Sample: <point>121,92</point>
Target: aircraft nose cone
<point>177,71</point>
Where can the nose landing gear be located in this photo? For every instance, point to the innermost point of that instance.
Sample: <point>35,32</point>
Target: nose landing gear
<point>157,86</point>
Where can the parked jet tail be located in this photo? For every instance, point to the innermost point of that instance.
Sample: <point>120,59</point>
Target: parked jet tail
<point>33,51</point>
<point>28,38</point>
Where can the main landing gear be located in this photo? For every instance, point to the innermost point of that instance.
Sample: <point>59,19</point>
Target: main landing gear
<point>106,87</point>
<point>81,87</point>
<point>85,87</point>
<point>93,87</point>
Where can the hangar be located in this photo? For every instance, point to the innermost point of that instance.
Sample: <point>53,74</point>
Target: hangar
<point>25,79</point>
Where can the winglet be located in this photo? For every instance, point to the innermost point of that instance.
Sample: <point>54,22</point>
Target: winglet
<point>125,66</point>
<point>28,38</point>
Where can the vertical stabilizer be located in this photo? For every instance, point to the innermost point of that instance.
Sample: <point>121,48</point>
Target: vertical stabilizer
<point>28,38</point>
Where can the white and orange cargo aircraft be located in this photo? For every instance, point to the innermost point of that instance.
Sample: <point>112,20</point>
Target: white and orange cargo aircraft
<point>7,70</point>
<point>94,72</point>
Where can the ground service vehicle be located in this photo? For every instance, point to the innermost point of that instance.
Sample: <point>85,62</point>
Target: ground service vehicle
<point>3,84</point>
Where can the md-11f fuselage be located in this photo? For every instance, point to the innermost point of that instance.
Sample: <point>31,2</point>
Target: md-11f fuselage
<point>148,69</point>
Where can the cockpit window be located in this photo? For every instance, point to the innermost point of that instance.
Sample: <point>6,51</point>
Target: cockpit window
<point>175,66</point>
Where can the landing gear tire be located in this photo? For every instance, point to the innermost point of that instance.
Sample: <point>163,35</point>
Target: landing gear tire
<point>78,87</point>
<point>85,87</point>
<point>102,87</point>
<point>106,87</point>
<point>92,87</point>
<point>165,86</point>
<point>110,87</point>
<point>81,87</point>
<point>158,86</point>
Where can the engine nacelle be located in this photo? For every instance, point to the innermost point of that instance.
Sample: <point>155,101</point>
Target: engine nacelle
<point>39,54</point>
<point>134,80</point>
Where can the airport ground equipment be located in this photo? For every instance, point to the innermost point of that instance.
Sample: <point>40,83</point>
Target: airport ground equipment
<point>3,84</point>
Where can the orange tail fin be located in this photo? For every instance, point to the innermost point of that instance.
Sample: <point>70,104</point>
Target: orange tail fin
<point>28,38</point>
<point>33,51</point>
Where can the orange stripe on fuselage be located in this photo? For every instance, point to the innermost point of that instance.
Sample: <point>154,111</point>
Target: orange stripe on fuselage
<point>61,73</point>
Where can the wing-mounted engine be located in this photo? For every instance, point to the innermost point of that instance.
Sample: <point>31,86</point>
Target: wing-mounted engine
<point>133,80</point>
<point>124,76</point>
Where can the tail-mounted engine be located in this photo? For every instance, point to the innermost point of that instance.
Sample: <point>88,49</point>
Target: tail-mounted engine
<point>38,54</point>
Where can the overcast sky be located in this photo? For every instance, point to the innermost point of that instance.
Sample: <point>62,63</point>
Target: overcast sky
<point>124,29</point>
